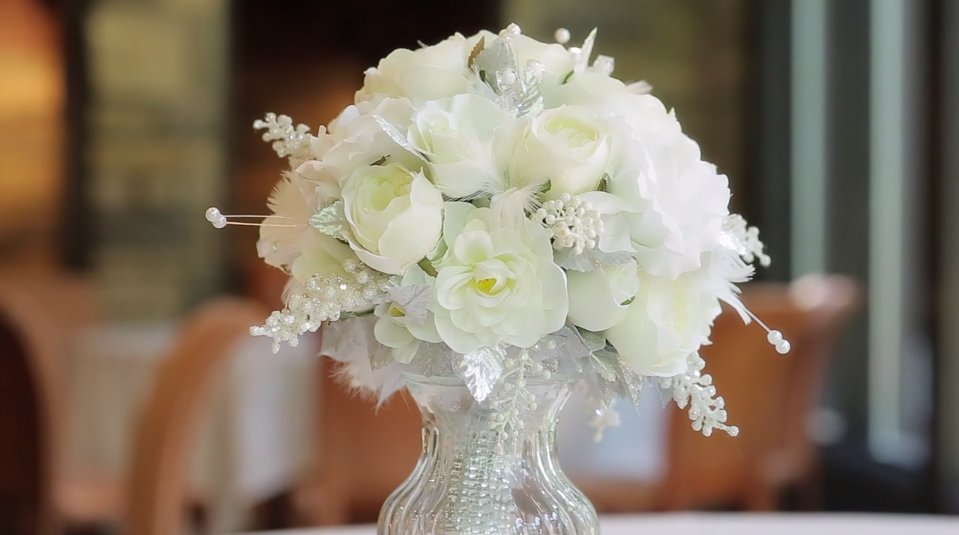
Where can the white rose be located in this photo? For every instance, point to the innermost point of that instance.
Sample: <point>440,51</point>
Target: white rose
<point>666,322</point>
<point>458,136</point>
<point>497,282</point>
<point>294,200</point>
<point>604,94</point>
<point>395,216</point>
<point>360,140</point>
<point>427,73</point>
<point>598,298</point>
<point>400,331</point>
<point>568,145</point>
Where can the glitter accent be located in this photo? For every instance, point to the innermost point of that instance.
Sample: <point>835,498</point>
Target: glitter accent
<point>292,142</point>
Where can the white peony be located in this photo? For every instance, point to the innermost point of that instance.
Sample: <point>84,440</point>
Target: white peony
<point>667,321</point>
<point>461,138</point>
<point>395,216</point>
<point>427,73</point>
<point>497,282</point>
<point>598,299</point>
<point>569,145</point>
<point>664,204</point>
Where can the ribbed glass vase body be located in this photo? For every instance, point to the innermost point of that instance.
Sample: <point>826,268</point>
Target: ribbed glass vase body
<point>473,478</point>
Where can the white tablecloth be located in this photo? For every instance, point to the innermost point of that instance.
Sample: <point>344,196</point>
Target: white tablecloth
<point>739,524</point>
<point>254,439</point>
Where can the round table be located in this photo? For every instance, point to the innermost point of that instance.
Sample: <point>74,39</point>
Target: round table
<point>739,524</point>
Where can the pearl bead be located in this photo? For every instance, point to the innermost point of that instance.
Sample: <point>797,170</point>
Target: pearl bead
<point>213,214</point>
<point>506,78</point>
<point>783,347</point>
<point>219,223</point>
<point>562,36</point>
<point>774,337</point>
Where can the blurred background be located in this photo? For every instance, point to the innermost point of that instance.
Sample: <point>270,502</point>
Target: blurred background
<point>121,121</point>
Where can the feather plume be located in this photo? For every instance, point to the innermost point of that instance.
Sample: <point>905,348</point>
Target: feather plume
<point>518,201</point>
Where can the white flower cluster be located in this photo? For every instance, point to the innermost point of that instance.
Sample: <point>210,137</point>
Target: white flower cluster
<point>490,192</point>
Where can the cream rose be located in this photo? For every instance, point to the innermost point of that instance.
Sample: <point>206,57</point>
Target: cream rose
<point>395,216</point>
<point>568,145</point>
<point>427,73</point>
<point>464,139</point>
<point>667,321</point>
<point>497,282</point>
<point>360,140</point>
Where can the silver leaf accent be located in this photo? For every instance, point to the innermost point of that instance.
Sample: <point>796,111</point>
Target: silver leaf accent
<point>589,260</point>
<point>522,95</point>
<point>394,133</point>
<point>604,369</point>
<point>566,343</point>
<point>594,341</point>
<point>412,299</point>
<point>330,220</point>
<point>480,370</point>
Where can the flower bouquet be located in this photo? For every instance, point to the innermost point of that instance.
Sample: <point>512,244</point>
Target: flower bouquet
<point>494,220</point>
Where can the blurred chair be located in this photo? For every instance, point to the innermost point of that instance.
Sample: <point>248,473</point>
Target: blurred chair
<point>770,398</point>
<point>363,453</point>
<point>795,465</point>
<point>39,314</point>
<point>157,491</point>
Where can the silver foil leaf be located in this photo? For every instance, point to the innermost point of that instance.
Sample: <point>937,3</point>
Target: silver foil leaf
<point>604,369</point>
<point>589,259</point>
<point>568,343</point>
<point>394,133</point>
<point>517,86</point>
<point>481,370</point>
<point>633,383</point>
<point>594,341</point>
<point>412,299</point>
<point>330,220</point>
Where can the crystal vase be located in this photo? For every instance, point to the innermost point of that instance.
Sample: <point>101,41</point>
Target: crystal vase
<point>476,476</point>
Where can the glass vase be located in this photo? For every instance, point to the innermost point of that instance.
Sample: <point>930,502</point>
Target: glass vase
<point>475,478</point>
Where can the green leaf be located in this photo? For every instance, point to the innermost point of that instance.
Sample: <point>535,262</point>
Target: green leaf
<point>604,183</point>
<point>427,267</point>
